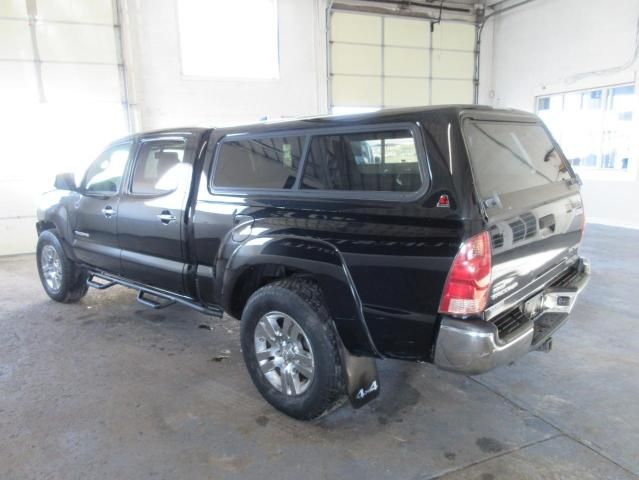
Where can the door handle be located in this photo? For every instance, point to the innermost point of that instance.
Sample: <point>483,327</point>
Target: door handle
<point>166,217</point>
<point>108,211</point>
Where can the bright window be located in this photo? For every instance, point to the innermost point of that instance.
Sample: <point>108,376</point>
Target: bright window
<point>225,39</point>
<point>595,128</point>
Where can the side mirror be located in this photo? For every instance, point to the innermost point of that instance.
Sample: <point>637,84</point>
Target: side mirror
<point>65,181</point>
<point>579,180</point>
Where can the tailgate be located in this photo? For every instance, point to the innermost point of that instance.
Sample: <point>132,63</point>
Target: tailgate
<point>531,202</point>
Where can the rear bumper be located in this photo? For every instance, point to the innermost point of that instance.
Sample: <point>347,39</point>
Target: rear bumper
<point>475,346</point>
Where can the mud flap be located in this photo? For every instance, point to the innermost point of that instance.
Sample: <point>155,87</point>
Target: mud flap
<point>360,377</point>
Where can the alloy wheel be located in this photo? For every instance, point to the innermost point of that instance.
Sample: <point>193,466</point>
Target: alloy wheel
<point>284,353</point>
<point>51,267</point>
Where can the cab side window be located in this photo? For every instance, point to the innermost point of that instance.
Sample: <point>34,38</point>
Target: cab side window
<point>157,167</point>
<point>385,161</point>
<point>269,163</point>
<point>104,176</point>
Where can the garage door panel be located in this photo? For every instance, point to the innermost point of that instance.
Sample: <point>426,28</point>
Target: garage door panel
<point>91,82</point>
<point>13,8</point>
<point>76,43</point>
<point>18,235</point>
<point>408,62</point>
<point>406,32</point>
<point>351,27</point>
<point>452,91</point>
<point>453,64</point>
<point>356,59</point>
<point>405,92</point>
<point>356,91</point>
<point>418,67</point>
<point>454,36</point>
<point>17,196</point>
<point>19,82</point>
<point>15,40</point>
<point>92,11</point>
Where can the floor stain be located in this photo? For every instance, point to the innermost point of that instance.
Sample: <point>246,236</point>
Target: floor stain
<point>450,456</point>
<point>403,398</point>
<point>229,463</point>
<point>262,421</point>
<point>489,445</point>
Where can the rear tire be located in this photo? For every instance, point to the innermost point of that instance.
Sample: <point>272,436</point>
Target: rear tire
<point>287,325</point>
<point>62,279</point>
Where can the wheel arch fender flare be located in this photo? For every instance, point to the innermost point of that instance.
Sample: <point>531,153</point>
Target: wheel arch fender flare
<point>320,260</point>
<point>57,217</point>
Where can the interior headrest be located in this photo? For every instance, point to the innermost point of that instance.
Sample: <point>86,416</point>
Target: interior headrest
<point>166,160</point>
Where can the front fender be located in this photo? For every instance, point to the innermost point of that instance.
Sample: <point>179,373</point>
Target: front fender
<point>53,212</point>
<point>317,258</point>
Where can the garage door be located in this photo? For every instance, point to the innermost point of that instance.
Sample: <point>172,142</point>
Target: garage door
<point>388,61</point>
<point>62,99</point>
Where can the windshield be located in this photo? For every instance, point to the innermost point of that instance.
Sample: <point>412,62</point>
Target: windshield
<point>509,157</point>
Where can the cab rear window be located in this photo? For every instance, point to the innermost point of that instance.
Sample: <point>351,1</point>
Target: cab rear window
<point>509,157</point>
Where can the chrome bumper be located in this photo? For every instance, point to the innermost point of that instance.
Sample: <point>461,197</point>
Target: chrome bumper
<point>474,346</point>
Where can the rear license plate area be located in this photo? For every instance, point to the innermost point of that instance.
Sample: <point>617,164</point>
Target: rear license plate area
<point>534,306</point>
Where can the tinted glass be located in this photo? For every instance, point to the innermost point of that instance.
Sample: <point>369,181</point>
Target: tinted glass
<point>367,162</point>
<point>510,157</point>
<point>105,174</point>
<point>259,163</point>
<point>157,167</point>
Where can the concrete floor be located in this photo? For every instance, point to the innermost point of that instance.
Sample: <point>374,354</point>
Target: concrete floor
<point>106,389</point>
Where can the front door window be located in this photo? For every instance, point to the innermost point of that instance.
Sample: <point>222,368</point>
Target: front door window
<point>104,176</point>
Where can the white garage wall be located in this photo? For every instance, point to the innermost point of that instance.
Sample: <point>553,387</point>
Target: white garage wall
<point>60,119</point>
<point>60,101</point>
<point>542,48</point>
<point>167,98</point>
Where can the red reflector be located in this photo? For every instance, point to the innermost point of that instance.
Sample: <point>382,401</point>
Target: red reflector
<point>443,201</point>
<point>468,282</point>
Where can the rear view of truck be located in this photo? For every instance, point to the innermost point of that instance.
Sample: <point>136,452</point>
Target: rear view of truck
<point>513,285</point>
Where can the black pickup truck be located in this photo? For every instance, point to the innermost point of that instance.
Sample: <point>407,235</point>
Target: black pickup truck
<point>447,235</point>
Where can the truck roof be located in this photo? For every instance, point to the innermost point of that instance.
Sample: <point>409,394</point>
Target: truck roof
<point>397,114</point>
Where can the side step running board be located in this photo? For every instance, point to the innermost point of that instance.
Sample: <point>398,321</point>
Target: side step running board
<point>98,285</point>
<point>152,303</point>
<point>144,292</point>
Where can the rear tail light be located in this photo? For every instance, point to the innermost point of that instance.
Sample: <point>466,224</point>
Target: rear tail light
<point>468,282</point>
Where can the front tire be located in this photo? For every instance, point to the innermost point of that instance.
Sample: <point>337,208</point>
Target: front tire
<point>290,348</point>
<point>62,279</point>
